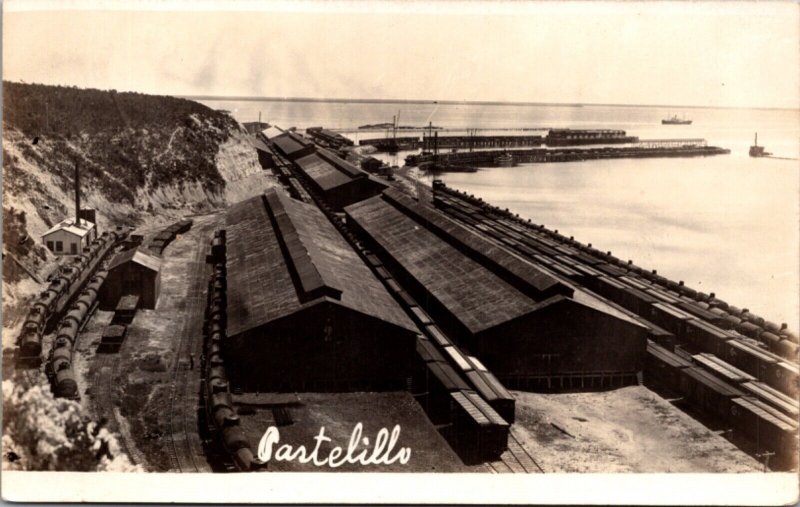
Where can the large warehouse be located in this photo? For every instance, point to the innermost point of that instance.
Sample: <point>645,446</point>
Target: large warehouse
<point>293,146</point>
<point>304,311</point>
<point>340,182</point>
<point>518,319</point>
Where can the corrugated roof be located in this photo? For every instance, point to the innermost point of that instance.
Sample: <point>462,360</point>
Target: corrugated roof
<point>288,143</point>
<point>138,256</point>
<point>324,174</point>
<point>259,144</point>
<point>270,236</point>
<point>69,225</point>
<point>472,293</point>
<point>272,132</point>
<point>530,278</point>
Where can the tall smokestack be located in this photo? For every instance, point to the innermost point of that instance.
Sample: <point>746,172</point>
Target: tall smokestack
<point>77,195</point>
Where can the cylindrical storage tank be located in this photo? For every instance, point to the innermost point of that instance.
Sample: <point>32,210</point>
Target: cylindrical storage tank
<point>243,458</point>
<point>30,344</point>
<point>234,438</point>
<point>217,372</point>
<point>225,417</point>
<point>219,400</point>
<point>785,348</point>
<point>66,387</point>
<point>35,319</point>
<point>68,330</point>
<point>62,358</point>
<point>217,386</point>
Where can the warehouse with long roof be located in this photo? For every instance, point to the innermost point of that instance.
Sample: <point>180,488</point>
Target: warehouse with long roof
<point>304,312</point>
<point>339,182</point>
<point>518,319</point>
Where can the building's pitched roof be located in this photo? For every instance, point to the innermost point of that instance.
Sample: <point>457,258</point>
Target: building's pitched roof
<point>259,144</point>
<point>271,237</point>
<point>476,296</point>
<point>138,256</point>
<point>69,225</point>
<point>530,278</point>
<point>324,174</point>
<point>289,143</point>
<point>272,132</point>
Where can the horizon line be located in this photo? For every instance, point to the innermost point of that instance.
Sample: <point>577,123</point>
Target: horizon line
<point>254,98</point>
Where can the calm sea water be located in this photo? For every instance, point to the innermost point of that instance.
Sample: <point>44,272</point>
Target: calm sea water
<point>727,224</point>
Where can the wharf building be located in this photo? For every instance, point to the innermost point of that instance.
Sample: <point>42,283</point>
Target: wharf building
<point>304,312</point>
<point>527,326</point>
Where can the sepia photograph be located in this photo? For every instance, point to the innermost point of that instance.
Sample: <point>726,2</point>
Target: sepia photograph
<point>401,252</point>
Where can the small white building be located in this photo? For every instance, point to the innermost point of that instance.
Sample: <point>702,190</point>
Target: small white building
<point>69,236</point>
<point>272,132</point>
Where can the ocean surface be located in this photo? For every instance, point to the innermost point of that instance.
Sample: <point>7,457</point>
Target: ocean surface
<point>727,224</point>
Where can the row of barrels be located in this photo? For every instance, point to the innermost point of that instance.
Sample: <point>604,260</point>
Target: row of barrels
<point>59,368</point>
<point>161,240</point>
<point>64,284</point>
<point>220,410</point>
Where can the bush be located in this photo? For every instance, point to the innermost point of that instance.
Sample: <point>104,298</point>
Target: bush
<point>44,433</point>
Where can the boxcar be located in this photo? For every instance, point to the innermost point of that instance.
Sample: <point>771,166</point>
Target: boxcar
<point>751,359</point>
<point>663,367</point>
<point>770,430</point>
<point>706,338</point>
<point>670,318</point>
<point>707,393</point>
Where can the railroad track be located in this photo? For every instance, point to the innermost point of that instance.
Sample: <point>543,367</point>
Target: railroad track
<point>183,392</point>
<point>515,460</point>
<point>106,365</point>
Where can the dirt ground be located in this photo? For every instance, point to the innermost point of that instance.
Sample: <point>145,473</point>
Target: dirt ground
<point>631,429</point>
<point>142,371</point>
<point>339,413</point>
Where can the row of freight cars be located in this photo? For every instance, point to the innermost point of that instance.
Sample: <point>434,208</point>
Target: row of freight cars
<point>675,311</point>
<point>456,390</point>
<point>59,367</point>
<point>749,408</point>
<point>63,286</point>
<point>220,411</point>
<point>161,240</point>
<point>115,332</point>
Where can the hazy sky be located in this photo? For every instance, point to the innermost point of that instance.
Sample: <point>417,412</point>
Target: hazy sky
<point>717,54</point>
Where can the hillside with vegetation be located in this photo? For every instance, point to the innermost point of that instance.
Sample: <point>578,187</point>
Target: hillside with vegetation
<point>143,160</point>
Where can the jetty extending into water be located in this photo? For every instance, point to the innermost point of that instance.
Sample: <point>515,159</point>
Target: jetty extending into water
<point>643,149</point>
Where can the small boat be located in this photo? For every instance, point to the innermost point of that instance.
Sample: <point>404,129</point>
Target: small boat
<point>758,151</point>
<point>504,160</point>
<point>674,120</point>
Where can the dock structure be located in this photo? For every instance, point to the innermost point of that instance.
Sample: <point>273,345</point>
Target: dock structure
<point>672,143</point>
<point>479,142</point>
<point>304,313</point>
<point>491,158</point>
<point>526,326</point>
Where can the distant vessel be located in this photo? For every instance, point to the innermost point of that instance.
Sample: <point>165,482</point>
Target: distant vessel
<point>676,121</point>
<point>758,151</point>
<point>504,160</point>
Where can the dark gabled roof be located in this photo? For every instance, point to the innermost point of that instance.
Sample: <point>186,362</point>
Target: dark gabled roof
<point>259,144</point>
<point>478,298</point>
<point>137,256</point>
<point>324,174</point>
<point>284,255</point>
<point>527,277</point>
<point>289,143</point>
